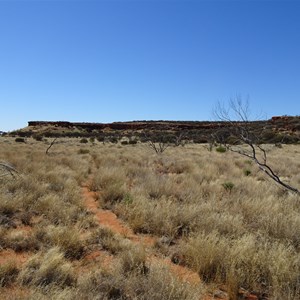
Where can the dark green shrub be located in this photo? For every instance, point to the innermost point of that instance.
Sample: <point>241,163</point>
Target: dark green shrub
<point>20,140</point>
<point>247,172</point>
<point>38,137</point>
<point>113,140</point>
<point>83,151</point>
<point>124,143</point>
<point>132,142</point>
<point>101,138</point>
<point>84,141</point>
<point>228,186</point>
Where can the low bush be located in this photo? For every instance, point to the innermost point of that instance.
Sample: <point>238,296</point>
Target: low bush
<point>228,186</point>
<point>247,172</point>
<point>83,151</point>
<point>221,149</point>
<point>38,137</point>
<point>20,140</point>
<point>84,141</point>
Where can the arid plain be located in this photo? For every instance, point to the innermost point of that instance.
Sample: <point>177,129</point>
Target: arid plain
<point>112,221</point>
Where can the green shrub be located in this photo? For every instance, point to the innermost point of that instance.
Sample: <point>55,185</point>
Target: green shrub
<point>228,186</point>
<point>83,151</point>
<point>221,149</point>
<point>247,172</point>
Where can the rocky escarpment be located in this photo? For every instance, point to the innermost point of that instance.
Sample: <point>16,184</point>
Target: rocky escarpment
<point>284,129</point>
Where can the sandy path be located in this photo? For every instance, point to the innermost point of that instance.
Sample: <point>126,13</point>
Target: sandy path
<point>109,219</point>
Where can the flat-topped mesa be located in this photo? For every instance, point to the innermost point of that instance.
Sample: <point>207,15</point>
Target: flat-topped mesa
<point>136,125</point>
<point>277,123</point>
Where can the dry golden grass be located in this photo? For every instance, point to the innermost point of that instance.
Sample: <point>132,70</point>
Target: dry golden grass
<point>245,236</point>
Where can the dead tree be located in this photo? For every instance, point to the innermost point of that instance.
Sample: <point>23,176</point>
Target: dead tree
<point>51,144</point>
<point>180,139</point>
<point>242,134</point>
<point>158,147</point>
<point>156,142</point>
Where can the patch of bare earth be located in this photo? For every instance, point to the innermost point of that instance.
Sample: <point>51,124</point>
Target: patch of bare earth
<point>17,257</point>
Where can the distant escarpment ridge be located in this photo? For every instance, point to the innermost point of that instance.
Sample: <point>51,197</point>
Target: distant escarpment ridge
<point>132,125</point>
<point>284,122</point>
<point>274,129</point>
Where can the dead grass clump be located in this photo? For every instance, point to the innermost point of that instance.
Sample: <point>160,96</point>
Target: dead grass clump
<point>66,238</point>
<point>162,217</point>
<point>107,176</point>
<point>172,165</point>
<point>157,186</point>
<point>249,262</point>
<point>206,254</point>
<point>113,193</point>
<point>20,241</point>
<point>48,269</point>
<point>52,292</point>
<point>8,273</point>
<point>107,239</point>
<point>110,182</point>
<point>134,261</point>
<point>56,210</point>
<point>157,284</point>
<point>266,267</point>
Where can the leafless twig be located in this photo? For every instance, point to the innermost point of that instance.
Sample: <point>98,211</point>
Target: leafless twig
<point>52,143</point>
<point>240,129</point>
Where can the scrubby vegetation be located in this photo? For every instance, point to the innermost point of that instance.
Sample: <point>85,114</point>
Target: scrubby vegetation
<point>212,212</point>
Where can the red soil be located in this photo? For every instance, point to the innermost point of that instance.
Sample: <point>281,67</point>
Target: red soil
<point>109,219</point>
<point>14,257</point>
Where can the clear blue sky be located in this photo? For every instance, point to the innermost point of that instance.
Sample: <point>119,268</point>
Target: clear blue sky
<point>104,61</point>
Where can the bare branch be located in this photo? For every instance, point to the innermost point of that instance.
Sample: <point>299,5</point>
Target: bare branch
<point>240,130</point>
<point>52,143</point>
<point>157,143</point>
